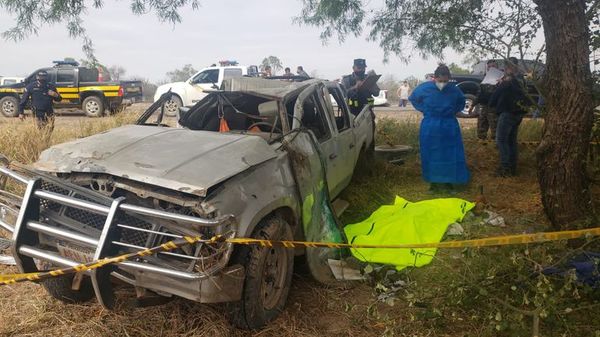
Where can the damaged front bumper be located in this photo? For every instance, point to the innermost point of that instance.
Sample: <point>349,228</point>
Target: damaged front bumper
<point>64,225</point>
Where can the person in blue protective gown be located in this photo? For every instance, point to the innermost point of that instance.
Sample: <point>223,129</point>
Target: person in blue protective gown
<point>443,161</point>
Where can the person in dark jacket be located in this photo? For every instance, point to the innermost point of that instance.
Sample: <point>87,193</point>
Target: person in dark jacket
<point>509,100</point>
<point>42,95</point>
<point>358,96</point>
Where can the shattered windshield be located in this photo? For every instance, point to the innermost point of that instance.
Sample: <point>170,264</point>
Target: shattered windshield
<point>221,111</point>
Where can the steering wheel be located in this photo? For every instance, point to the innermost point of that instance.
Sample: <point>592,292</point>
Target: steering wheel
<point>271,126</point>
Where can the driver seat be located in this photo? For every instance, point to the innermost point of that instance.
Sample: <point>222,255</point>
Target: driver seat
<point>269,111</point>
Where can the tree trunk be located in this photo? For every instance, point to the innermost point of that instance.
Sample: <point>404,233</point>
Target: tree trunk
<point>563,151</point>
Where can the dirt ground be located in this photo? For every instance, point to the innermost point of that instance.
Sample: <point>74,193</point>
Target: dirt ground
<point>347,309</point>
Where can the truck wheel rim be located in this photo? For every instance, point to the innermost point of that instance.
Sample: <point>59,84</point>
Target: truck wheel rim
<point>468,104</point>
<point>171,106</point>
<point>92,107</point>
<point>8,107</point>
<point>274,275</point>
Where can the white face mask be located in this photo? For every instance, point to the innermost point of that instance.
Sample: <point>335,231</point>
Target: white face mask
<point>440,85</point>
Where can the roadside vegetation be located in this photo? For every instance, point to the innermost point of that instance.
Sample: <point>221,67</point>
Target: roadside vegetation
<point>463,292</point>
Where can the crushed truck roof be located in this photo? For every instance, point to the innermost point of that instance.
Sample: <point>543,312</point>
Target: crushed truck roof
<point>275,89</point>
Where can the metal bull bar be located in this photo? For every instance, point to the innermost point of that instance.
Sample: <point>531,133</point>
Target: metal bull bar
<point>38,218</point>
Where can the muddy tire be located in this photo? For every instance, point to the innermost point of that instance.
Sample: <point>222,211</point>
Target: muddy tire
<point>9,106</point>
<point>268,276</point>
<point>172,106</point>
<point>93,106</point>
<point>60,288</point>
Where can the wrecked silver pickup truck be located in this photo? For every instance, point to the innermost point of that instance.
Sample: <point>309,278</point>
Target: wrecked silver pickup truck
<point>286,154</point>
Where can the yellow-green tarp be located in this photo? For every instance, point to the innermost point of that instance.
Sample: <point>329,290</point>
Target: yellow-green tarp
<point>405,222</point>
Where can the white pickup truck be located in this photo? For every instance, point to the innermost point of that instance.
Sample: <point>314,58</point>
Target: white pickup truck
<point>193,90</point>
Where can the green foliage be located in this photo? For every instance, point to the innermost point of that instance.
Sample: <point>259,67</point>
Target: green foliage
<point>337,17</point>
<point>392,131</point>
<point>456,69</point>
<point>30,15</point>
<point>492,27</point>
<point>180,75</point>
<point>273,61</point>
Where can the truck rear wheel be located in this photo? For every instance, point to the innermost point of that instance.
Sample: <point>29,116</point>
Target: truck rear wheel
<point>268,276</point>
<point>9,106</point>
<point>93,106</point>
<point>172,106</point>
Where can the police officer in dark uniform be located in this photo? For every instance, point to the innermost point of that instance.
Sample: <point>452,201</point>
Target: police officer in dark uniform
<point>42,95</point>
<point>357,96</point>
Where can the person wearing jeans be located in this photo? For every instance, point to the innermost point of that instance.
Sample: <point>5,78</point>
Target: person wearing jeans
<point>508,99</point>
<point>506,140</point>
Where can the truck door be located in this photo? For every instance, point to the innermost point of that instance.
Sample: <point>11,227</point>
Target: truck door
<point>313,115</point>
<point>198,84</point>
<point>66,83</point>
<point>346,139</point>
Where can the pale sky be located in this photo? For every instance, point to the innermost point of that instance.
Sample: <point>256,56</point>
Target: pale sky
<point>246,31</point>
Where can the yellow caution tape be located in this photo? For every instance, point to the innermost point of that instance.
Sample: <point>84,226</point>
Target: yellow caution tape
<point>486,242</point>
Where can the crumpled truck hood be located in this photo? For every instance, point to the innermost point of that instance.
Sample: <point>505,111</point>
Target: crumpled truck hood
<point>178,159</point>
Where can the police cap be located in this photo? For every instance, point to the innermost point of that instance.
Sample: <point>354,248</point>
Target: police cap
<point>42,73</point>
<point>361,63</point>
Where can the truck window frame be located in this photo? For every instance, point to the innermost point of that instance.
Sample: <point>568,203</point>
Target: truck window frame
<point>71,72</point>
<point>197,77</point>
<point>341,112</point>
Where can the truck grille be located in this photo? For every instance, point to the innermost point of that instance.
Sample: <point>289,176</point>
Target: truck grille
<point>66,224</point>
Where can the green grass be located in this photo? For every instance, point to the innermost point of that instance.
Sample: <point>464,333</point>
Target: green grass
<point>476,292</point>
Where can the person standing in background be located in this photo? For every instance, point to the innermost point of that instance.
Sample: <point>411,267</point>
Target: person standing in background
<point>509,100</point>
<point>443,162</point>
<point>300,71</point>
<point>267,72</point>
<point>357,95</point>
<point>287,72</point>
<point>42,95</point>
<point>487,119</point>
<point>402,93</point>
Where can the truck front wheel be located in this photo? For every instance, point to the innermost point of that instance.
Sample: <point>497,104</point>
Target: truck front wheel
<point>268,276</point>
<point>172,106</point>
<point>93,106</point>
<point>9,106</point>
<point>60,287</point>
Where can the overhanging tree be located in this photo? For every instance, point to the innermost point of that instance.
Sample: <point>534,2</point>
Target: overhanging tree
<point>499,29</point>
<point>32,15</point>
<point>273,61</point>
<point>180,75</point>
